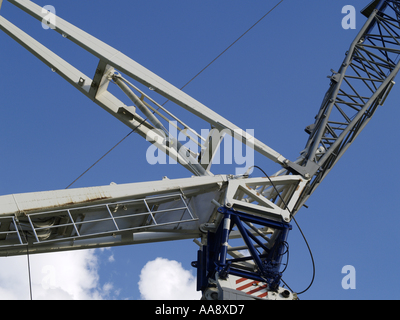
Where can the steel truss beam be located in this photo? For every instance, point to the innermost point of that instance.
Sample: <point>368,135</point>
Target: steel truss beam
<point>357,89</point>
<point>274,198</point>
<point>106,216</point>
<point>122,214</point>
<point>259,208</point>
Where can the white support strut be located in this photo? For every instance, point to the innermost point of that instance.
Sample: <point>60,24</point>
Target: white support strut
<point>212,208</point>
<point>116,215</point>
<point>114,58</point>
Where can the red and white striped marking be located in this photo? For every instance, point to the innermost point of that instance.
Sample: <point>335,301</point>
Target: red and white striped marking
<point>251,287</point>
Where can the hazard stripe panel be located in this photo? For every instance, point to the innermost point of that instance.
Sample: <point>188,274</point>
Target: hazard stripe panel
<point>251,287</point>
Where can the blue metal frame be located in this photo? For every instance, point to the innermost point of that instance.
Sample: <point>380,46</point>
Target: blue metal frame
<point>212,258</point>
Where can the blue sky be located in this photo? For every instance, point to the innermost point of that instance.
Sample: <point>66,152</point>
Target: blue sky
<point>273,81</point>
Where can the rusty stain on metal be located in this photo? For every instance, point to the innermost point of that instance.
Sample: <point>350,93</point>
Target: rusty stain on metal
<point>68,204</point>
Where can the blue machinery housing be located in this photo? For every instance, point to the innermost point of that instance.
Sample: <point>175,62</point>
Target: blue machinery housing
<point>212,258</point>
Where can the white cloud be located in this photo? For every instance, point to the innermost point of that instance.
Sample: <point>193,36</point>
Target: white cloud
<point>163,279</point>
<point>62,275</point>
<point>111,257</point>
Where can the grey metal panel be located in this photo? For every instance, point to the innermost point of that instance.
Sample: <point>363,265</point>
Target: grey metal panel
<point>367,11</point>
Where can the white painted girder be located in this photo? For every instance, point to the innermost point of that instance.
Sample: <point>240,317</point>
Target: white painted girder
<point>45,212</point>
<point>136,71</point>
<point>20,204</point>
<point>200,192</point>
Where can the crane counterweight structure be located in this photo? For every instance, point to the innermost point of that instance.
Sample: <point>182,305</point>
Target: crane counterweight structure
<point>212,208</point>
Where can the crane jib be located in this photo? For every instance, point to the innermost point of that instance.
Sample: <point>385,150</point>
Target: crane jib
<point>213,208</point>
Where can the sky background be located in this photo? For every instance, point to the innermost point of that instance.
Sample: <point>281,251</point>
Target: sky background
<point>272,80</point>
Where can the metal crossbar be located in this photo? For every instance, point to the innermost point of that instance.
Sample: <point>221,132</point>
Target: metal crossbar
<point>94,217</point>
<point>357,89</point>
<point>11,234</point>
